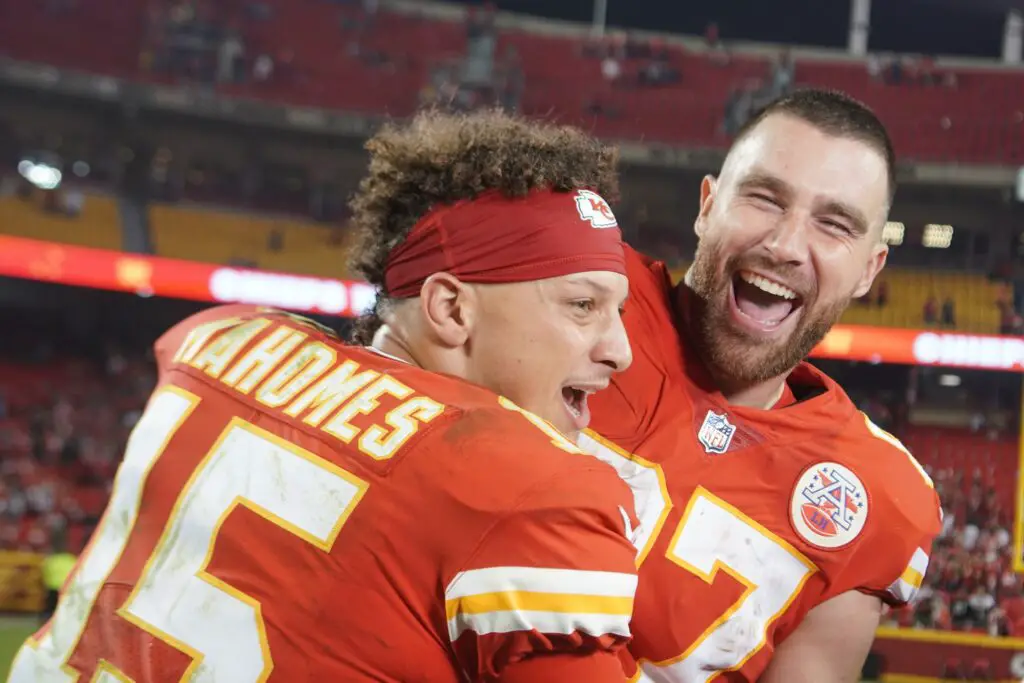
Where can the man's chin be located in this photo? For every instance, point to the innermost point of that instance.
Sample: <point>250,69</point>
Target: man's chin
<point>739,356</point>
<point>743,365</point>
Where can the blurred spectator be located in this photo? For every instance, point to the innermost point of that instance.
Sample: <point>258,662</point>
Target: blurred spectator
<point>1010,322</point>
<point>948,312</point>
<point>599,107</point>
<point>882,294</point>
<point>370,8</point>
<point>980,603</point>
<point>481,44</point>
<point>510,81</point>
<point>783,73</point>
<point>611,70</point>
<point>894,71</point>
<point>738,107</point>
<point>874,66</point>
<point>931,311</point>
<point>927,74</point>
<point>658,72</point>
<point>229,58</point>
<point>275,240</point>
<point>57,566</point>
<point>711,37</point>
<point>262,68</point>
<point>73,199</point>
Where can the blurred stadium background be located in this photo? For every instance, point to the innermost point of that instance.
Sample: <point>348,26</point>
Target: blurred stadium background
<point>160,155</point>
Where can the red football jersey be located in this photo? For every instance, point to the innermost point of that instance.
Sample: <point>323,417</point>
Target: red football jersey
<point>294,509</point>
<point>748,518</point>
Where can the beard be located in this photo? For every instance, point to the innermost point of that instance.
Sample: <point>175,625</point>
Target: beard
<point>735,357</point>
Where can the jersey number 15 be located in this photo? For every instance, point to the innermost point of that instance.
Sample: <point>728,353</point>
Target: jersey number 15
<point>175,599</point>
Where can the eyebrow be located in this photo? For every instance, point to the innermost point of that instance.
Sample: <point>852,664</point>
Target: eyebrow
<point>758,179</point>
<point>858,222</point>
<point>765,181</point>
<point>599,286</point>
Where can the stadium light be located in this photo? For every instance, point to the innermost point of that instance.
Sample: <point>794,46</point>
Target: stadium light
<point>937,236</point>
<point>43,176</point>
<point>892,233</point>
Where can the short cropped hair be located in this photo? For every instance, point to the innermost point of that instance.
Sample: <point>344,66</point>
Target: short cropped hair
<point>440,158</point>
<point>836,114</point>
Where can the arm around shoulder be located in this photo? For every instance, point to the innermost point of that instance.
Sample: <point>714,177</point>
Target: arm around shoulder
<point>830,644</point>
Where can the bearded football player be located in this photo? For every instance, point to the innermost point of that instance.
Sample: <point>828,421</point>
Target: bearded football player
<point>291,508</point>
<point>775,519</point>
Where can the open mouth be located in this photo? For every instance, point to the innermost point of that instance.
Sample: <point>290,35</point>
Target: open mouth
<point>764,303</point>
<point>575,400</point>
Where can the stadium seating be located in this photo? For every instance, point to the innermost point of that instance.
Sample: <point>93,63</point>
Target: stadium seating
<point>63,426</point>
<point>991,462</point>
<point>974,297</point>
<point>98,224</point>
<point>981,120</point>
<point>220,236</point>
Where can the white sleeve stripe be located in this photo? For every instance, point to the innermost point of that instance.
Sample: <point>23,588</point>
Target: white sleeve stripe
<point>902,591</point>
<point>919,561</point>
<point>540,580</point>
<point>543,622</point>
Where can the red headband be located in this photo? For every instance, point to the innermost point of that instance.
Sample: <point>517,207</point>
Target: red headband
<point>495,239</point>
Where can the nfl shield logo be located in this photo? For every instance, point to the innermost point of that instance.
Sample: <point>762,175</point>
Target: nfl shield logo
<point>716,433</point>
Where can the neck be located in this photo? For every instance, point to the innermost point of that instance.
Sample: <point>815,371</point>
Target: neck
<point>763,395</point>
<point>387,342</point>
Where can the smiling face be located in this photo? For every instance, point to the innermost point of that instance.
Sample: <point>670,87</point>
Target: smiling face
<point>789,234</point>
<point>547,344</point>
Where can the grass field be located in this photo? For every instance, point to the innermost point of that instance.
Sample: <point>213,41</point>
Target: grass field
<point>13,632</point>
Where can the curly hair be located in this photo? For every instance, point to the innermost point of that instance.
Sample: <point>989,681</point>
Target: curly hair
<point>439,158</point>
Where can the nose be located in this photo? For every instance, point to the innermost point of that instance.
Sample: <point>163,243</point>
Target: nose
<point>613,347</point>
<point>787,242</point>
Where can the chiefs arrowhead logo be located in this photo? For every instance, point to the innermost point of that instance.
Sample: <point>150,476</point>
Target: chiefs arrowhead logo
<point>595,210</point>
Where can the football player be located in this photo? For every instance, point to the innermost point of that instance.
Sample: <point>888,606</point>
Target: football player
<point>776,519</point>
<point>291,508</point>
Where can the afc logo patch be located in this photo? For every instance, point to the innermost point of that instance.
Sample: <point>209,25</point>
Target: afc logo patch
<point>594,209</point>
<point>829,506</point>
<point>716,433</point>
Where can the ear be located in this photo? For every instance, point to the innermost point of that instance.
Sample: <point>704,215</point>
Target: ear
<point>708,189</point>
<point>879,254</point>
<point>448,307</point>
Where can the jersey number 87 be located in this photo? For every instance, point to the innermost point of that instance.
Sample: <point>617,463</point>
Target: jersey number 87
<point>712,536</point>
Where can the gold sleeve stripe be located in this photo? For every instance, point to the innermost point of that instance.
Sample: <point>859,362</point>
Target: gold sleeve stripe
<point>912,577</point>
<point>523,601</point>
<point>545,600</point>
<point>485,623</point>
<point>906,587</point>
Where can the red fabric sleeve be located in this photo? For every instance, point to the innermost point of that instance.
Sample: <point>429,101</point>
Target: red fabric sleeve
<point>600,667</point>
<point>903,550</point>
<point>905,517</point>
<point>556,575</point>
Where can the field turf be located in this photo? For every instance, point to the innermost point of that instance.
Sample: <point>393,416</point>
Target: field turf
<point>13,632</point>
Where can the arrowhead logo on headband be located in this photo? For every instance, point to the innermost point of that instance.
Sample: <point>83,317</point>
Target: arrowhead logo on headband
<point>593,208</point>
<point>493,238</point>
